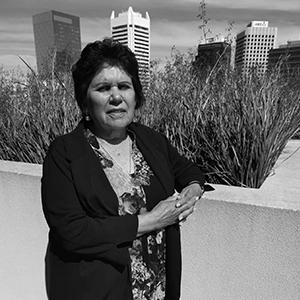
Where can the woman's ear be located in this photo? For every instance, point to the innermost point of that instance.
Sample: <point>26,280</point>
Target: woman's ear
<point>87,117</point>
<point>85,112</point>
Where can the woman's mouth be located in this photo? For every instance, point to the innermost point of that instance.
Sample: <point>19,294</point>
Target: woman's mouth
<point>116,112</point>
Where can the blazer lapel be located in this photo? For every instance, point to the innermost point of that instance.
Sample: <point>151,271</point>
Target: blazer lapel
<point>157,162</point>
<point>91,183</point>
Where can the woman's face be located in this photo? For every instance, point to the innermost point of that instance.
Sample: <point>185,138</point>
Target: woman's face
<point>111,100</point>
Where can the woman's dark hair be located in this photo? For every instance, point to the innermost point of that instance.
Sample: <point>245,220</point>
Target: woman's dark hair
<point>96,56</point>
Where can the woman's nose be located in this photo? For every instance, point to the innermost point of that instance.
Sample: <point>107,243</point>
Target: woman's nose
<point>115,97</point>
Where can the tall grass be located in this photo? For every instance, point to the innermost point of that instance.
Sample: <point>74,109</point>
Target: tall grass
<point>33,112</point>
<point>234,126</point>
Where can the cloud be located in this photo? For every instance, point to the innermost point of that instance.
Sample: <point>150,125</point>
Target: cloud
<point>16,36</point>
<point>257,4</point>
<point>173,22</point>
<point>81,8</point>
<point>165,35</point>
<point>174,33</point>
<point>94,29</point>
<point>240,15</point>
<point>170,9</point>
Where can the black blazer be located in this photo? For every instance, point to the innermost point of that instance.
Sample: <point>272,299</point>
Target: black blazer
<point>87,256</point>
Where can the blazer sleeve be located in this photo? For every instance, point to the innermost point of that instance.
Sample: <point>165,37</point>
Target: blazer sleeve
<point>75,231</point>
<point>183,169</point>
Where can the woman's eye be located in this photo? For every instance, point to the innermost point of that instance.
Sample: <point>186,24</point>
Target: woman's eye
<point>103,88</point>
<point>123,86</point>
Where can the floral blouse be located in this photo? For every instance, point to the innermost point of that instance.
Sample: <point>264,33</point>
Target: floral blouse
<point>147,252</point>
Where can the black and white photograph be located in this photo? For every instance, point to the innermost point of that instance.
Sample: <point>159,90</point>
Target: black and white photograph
<point>149,150</point>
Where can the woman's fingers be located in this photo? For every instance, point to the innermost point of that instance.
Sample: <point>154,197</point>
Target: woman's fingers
<point>170,211</point>
<point>193,190</point>
<point>187,204</point>
<point>186,213</point>
<point>187,210</point>
<point>165,213</point>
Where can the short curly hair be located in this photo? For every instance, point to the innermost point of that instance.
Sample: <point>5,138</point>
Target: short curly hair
<point>94,57</point>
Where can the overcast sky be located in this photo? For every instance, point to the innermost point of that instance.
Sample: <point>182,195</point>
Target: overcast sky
<point>173,22</point>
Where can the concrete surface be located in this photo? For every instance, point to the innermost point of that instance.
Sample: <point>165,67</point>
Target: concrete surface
<point>243,244</point>
<point>284,182</point>
<point>240,244</point>
<point>235,251</point>
<point>23,233</point>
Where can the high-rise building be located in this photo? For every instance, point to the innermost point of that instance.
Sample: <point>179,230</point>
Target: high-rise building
<point>212,53</point>
<point>253,45</point>
<point>57,41</point>
<point>133,30</point>
<point>289,54</point>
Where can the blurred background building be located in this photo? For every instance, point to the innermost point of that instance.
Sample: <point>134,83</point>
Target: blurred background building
<point>133,30</point>
<point>57,41</point>
<point>288,56</point>
<point>253,45</point>
<point>212,53</point>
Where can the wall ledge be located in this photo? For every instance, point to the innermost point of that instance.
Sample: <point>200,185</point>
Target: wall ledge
<point>21,168</point>
<point>255,197</point>
<point>281,189</point>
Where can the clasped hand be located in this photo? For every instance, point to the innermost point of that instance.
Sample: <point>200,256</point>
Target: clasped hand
<point>175,208</point>
<point>188,198</point>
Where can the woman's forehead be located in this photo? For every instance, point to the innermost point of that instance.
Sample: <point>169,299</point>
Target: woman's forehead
<point>108,73</point>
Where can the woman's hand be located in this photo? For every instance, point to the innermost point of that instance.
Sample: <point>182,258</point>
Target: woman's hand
<point>165,213</point>
<point>193,192</point>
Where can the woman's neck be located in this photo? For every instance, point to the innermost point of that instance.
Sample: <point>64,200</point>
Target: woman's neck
<point>111,136</point>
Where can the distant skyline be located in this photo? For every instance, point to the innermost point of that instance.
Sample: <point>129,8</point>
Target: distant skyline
<point>173,22</point>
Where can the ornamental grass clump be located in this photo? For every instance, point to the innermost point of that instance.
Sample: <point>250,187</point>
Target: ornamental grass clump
<point>234,126</point>
<point>33,112</point>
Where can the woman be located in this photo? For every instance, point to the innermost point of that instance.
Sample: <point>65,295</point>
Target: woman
<point>108,191</point>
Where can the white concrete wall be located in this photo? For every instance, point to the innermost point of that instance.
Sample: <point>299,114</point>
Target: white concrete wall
<point>237,251</point>
<point>240,244</point>
<point>23,233</point>
<point>244,244</point>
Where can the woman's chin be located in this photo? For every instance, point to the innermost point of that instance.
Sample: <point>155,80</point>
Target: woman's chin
<point>119,120</point>
<point>118,123</point>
